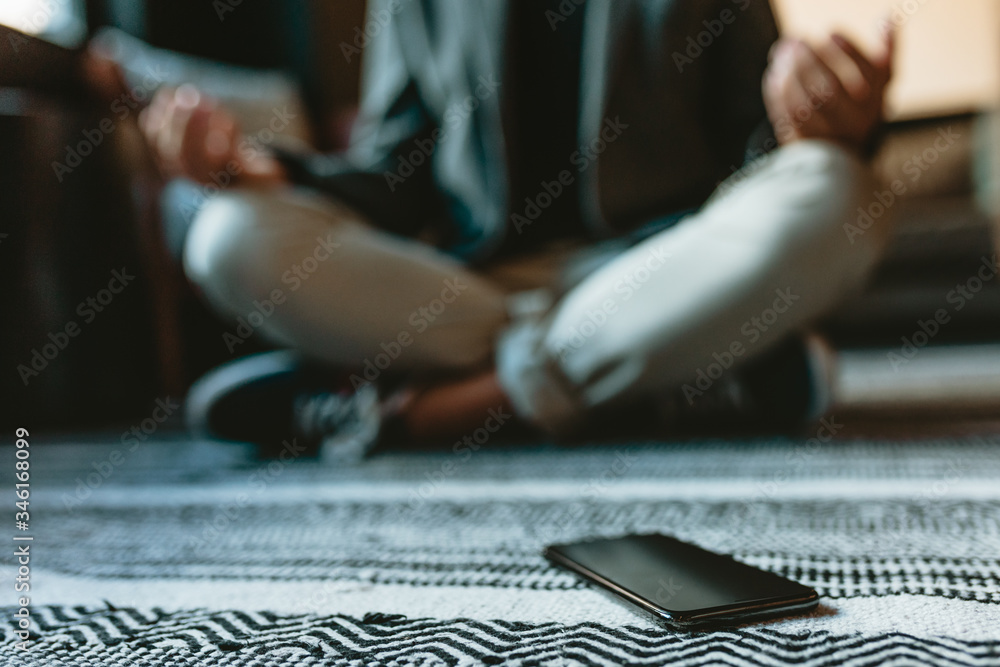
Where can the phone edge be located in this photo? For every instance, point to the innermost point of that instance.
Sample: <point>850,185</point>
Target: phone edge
<point>780,607</point>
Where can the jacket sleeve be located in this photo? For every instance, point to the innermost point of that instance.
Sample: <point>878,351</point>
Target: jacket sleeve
<point>392,123</point>
<point>739,60</point>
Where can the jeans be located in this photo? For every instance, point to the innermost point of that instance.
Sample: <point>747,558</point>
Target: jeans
<point>570,328</point>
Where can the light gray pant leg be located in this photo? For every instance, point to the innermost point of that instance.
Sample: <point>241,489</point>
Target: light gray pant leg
<point>757,262</point>
<point>350,294</point>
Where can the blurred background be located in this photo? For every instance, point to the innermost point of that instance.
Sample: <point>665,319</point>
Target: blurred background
<point>97,321</point>
<point>65,229</point>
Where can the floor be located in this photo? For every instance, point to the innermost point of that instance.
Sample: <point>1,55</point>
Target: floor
<point>182,552</point>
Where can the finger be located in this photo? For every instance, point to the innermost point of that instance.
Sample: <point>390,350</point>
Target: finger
<point>194,157</point>
<point>805,82</point>
<point>843,109</point>
<point>869,72</point>
<point>177,113</point>
<point>809,115</point>
<point>776,48</point>
<point>791,112</point>
<point>210,141</point>
<point>103,75</point>
<point>152,122</point>
<point>151,118</point>
<point>223,133</point>
<point>823,105</point>
<point>851,78</point>
<point>838,115</point>
<point>888,56</point>
<point>779,70</point>
<point>815,73</point>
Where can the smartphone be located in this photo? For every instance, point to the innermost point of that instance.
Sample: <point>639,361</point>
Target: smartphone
<point>683,585</point>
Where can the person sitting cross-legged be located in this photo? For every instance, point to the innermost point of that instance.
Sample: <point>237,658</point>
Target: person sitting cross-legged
<point>548,219</point>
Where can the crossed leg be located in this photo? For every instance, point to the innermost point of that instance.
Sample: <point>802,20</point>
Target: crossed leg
<point>646,320</point>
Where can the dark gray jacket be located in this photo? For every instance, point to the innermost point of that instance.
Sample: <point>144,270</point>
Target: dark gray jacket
<point>673,85</point>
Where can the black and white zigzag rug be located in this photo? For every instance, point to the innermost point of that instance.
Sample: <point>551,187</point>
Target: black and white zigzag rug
<point>176,553</point>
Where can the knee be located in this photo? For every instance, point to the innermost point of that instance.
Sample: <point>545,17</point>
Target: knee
<point>845,210</point>
<point>219,246</point>
<point>843,186</point>
<point>245,241</point>
<point>849,218</point>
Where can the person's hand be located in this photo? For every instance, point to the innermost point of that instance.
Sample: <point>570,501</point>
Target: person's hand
<point>832,92</point>
<point>193,136</point>
<point>190,135</point>
<point>102,76</point>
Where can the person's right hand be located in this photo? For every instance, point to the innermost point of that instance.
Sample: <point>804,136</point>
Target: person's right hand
<point>831,91</point>
<point>193,136</point>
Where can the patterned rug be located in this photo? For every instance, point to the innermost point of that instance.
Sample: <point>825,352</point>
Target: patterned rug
<point>173,552</point>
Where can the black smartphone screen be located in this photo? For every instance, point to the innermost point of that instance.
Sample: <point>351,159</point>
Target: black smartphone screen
<point>683,584</point>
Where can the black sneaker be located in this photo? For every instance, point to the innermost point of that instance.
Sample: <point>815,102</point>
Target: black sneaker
<point>276,396</point>
<point>780,391</point>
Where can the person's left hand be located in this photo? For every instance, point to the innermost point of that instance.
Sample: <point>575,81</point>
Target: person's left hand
<point>832,92</point>
<point>102,76</point>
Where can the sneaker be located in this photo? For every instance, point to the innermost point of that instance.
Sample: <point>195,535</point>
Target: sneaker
<point>781,390</point>
<point>276,396</point>
<point>345,425</point>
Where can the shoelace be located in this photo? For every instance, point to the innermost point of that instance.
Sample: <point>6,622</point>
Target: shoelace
<point>323,414</point>
<point>347,425</point>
